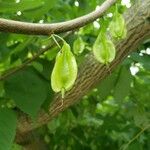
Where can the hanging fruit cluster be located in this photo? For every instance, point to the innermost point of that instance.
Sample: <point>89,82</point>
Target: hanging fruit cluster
<point>65,69</point>
<point>103,48</point>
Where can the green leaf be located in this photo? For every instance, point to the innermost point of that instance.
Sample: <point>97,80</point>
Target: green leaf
<point>21,6</point>
<point>38,66</point>
<point>50,55</point>
<point>106,86</point>
<point>1,89</point>
<point>122,88</point>
<point>144,60</point>
<point>16,147</point>
<point>37,13</point>
<point>141,117</point>
<point>8,123</point>
<point>28,91</point>
<point>135,146</point>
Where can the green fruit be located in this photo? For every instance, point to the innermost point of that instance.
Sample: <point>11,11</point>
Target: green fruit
<point>78,46</point>
<point>117,26</point>
<point>65,70</point>
<point>104,49</point>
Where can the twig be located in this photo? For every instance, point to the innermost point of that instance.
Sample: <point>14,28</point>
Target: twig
<point>47,29</point>
<point>135,137</point>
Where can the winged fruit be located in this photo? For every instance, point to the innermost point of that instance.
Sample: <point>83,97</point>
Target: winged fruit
<point>104,49</point>
<point>117,26</point>
<point>78,46</point>
<point>65,70</point>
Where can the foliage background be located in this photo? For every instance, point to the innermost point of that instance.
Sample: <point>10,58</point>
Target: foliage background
<point>108,117</point>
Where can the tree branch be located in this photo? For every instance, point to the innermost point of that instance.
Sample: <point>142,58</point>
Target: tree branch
<point>92,72</point>
<point>48,29</point>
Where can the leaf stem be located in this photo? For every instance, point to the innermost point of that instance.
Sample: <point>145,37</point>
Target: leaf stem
<point>53,37</point>
<point>58,37</point>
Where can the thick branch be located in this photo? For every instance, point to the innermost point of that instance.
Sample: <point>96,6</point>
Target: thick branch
<point>92,72</point>
<point>47,29</point>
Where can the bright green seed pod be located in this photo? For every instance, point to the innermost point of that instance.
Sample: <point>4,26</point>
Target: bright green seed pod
<point>65,70</point>
<point>117,26</point>
<point>104,49</point>
<point>78,46</point>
